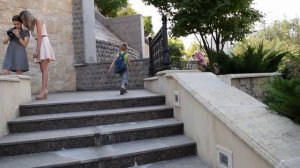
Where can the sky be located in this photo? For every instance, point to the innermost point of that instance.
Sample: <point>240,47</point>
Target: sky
<point>272,10</point>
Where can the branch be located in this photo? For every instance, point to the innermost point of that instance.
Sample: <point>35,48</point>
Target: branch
<point>197,38</point>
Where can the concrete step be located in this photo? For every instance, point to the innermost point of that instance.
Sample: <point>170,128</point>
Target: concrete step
<point>185,162</point>
<point>108,156</point>
<point>90,101</point>
<point>88,118</point>
<point>34,142</point>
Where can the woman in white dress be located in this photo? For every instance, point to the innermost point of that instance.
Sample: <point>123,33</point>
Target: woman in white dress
<point>44,52</point>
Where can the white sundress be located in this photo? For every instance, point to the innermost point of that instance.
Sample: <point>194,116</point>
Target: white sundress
<point>46,51</point>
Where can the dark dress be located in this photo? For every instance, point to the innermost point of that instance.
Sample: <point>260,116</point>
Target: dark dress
<point>16,56</point>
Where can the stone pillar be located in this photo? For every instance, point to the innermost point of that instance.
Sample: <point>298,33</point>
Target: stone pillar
<point>84,31</point>
<point>88,15</point>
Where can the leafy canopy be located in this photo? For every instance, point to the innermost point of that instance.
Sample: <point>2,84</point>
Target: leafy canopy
<point>282,35</point>
<point>223,20</point>
<point>148,26</point>
<point>110,8</point>
<point>127,11</point>
<point>176,50</point>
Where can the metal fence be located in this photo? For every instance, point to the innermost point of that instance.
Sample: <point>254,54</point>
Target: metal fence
<point>159,51</point>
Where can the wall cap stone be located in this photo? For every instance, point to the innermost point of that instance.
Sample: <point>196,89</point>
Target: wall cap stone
<point>80,65</point>
<point>251,75</point>
<point>14,78</point>
<point>7,78</point>
<point>174,71</point>
<point>151,79</point>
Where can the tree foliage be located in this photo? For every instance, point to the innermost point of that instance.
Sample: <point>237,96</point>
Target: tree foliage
<point>223,20</point>
<point>148,26</point>
<point>192,49</point>
<point>110,8</point>
<point>281,35</point>
<point>176,50</point>
<point>127,11</point>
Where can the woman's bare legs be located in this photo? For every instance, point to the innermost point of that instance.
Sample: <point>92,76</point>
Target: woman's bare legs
<point>45,74</point>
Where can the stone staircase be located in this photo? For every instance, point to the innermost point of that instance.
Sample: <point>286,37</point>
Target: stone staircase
<point>98,130</point>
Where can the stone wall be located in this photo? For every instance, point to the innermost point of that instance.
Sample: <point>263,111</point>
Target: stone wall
<point>57,16</point>
<point>107,50</point>
<point>78,32</point>
<point>252,84</point>
<point>102,32</point>
<point>130,29</point>
<point>95,76</point>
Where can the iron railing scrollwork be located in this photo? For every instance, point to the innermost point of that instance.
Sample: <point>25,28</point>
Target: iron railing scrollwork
<point>159,50</point>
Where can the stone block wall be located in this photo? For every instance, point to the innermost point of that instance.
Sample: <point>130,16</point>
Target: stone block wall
<point>78,32</point>
<point>57,16</point>
<point>252,84</point>
<point>107,50</point>
<point>96,77</point>
<point>102,32</point>
<point>130,29</point>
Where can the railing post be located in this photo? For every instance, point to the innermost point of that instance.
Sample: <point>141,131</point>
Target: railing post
<point>166,56</point>
<point>151,61</point>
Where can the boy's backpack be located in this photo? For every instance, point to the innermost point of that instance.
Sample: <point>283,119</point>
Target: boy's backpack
<point>120,65</point>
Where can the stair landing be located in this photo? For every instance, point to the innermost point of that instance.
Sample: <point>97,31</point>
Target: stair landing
<point>84,96</point>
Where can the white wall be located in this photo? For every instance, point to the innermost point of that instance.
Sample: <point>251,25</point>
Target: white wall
<point>14,90</point>
<point>215,113</point>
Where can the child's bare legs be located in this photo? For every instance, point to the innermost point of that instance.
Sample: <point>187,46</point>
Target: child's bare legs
<point>45,74</point>
<point>5,72</point>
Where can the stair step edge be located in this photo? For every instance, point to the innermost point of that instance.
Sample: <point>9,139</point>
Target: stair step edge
<point>88,131</point>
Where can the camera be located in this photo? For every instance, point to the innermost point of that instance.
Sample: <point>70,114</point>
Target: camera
<point>10,32</point>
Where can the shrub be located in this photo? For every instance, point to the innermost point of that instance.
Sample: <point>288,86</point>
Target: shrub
<point>290,66</point>
<point>252,60</point>
<point>283,96</point>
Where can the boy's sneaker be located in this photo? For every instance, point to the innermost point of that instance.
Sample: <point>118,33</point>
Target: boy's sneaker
<point>125,91</point>
<point>122,91</point>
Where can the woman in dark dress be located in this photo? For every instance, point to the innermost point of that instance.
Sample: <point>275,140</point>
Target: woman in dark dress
<point>16,57</point>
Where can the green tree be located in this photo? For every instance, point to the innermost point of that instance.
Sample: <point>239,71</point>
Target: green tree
<point>280,35</point>
<point>223,20</point>
<point>127,11</point>
<point>148,26</point>
<point>176,49</point>
<point>110,8</point>
<point>192,49</point>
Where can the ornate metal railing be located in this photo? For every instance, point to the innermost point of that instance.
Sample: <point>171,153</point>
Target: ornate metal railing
<point>159,51</point>
<point>191,65</point>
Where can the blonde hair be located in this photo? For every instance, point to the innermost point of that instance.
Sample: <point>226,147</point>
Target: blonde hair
<point>28,19</point>
<point>123,46</point>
